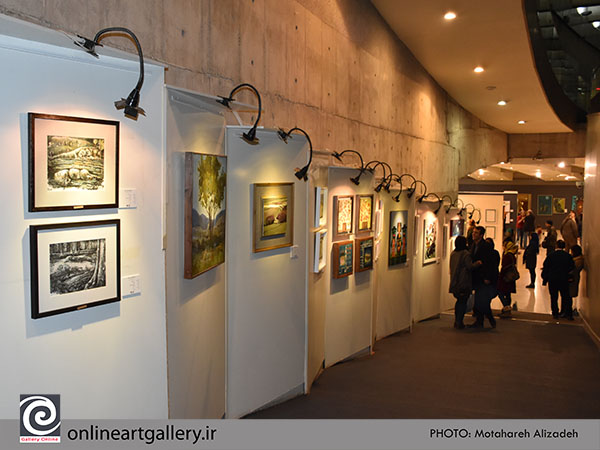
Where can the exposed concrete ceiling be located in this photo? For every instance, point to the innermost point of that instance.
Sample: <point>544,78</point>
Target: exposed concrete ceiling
<point>548,169</point>
<point>488,33</point>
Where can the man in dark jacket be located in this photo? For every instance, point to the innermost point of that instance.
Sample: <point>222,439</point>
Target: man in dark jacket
<point>485,277</point>
<point>556,270</point>
<point>528,225</point>
<point>550,240</point>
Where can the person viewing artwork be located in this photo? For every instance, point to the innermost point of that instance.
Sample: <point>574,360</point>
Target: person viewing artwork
<point>520,227</point>
<point>530,257</point>
<point>578,260</point>
<point>485,278</point>
<point>528,225</point>
<point>556,272</point>
<point>461,283</point>
<point>568,230</point>
<point>550,240</point>
<point>506,281</point>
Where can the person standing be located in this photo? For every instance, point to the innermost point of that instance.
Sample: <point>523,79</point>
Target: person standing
<point>528,224</point>
<point>556,272</point>
<point>568,229</point>
<point>530,257</point>
<point>520,226</point>
<point>506,282</point>
<point>550,240</point>
<point>578,260</point>
<point>461,283</point>
<point>470,229</point>
<point>485,278</point>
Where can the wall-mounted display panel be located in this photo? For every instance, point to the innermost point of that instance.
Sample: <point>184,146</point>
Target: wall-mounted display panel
<point>320,250</point>
<point>457,227</point>
<point>559,205</point>
<point>364,213</point>
<point>343,208</point>
<point>430,245</point>
<point>273,223</point>
<point>364,254</point>
<point>544,205</point>
<point>74,266</point>
<point>73,162</point>
<point>398,243</point>
<point>320,206</point>
<point>342,259</point>
<point>205,189</point>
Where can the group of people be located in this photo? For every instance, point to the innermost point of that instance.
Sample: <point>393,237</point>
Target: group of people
<point>478,270</point>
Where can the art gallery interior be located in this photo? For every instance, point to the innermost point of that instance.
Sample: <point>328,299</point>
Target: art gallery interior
<point>282,168</point>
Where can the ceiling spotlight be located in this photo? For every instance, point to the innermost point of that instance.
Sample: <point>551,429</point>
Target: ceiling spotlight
<point>569,177</point>
<point>538,174</point>
<point>131,103</point>
<point>502,103</point>
<point>584,11</point>
<point>450,15</point>
<point>562,164</point>
<point>478,69</point>
<point>502,162</point>
<point>521,122</point>
<point>301,174</point>
<point>481,171</point>
<point>250,136</point>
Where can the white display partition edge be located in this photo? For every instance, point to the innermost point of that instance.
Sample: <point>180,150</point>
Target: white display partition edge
<point>106,362</point>
<point>195,308</point>
<point>427,278</point>
<point>447,299</point>
<point>349,303</point>
<point>266,291</point>
<point>393,289</point>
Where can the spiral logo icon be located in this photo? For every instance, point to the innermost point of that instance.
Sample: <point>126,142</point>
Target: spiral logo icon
<point>40,418</point>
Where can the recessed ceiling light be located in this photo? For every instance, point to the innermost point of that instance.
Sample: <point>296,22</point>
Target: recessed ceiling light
<point>521,122</point>
<point>561,164</point>
<point>481,171</point>
<point>570,177</point>
<point>596,23</point>
<point>449,15</point>
<point>502,103</point>
<point>501,162</point>
<point>583,11</point>
<point>538,174</point>
<point>478,69</point>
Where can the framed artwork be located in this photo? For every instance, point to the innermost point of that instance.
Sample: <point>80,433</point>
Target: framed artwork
<point>273,222</point>
<point>343,208</point>
<point>490,216</point>
<point>364,254</point>
<point>320,206</point>
<point>74,266</point>
<point>574,199</point>
<point>490,232</point>
<point>398,243</point>
<point>73,163</point>
<point>204,229</point>
<point>558,205</point>
<point>364,213</point>
<point>544,205</point>
<point>342,259</point>
<point>430,240</point>
<point>320,250</point>
<point>457,227</point>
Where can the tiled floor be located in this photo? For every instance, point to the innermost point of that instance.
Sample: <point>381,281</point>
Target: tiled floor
<point>533,300</point>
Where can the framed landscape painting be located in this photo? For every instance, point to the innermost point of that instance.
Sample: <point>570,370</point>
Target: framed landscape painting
<point>430,232</point>
<point>205,198</point>
<point>343,209</point>
<point>320,206</point>
<point>273,217</point>
<point>343,259</point>
<point>364,254</point>
<point>364,213</point>
<point>398,243</point>
<point>544,205</point>
<point>320,251</point>
<point>73,163</point>
<point>74,266</point>
<point>559,205</point>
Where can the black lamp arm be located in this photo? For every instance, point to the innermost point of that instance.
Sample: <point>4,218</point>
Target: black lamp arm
<point>339,156</point>
<point>252,88</point>
<point>307,138</point>
<point>413,188</point>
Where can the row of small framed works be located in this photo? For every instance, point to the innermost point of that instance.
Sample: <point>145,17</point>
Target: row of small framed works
<point>548,205</point>
<point>352,255</point>
<point>344,215</point>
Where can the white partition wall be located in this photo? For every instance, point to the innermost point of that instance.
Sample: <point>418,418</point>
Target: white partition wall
<point>427,275</point>
<point>266,291</point>
<point>491,207</point>
<point>447,298</point>
<point>393,299</point>
<point>349,299</point>
<point>196,307</point>
<point>107,361</point>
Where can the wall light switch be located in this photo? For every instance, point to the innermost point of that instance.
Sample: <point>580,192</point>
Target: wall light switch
<point>293,251</point>
<point>128,198</point>
<point>131,285</point>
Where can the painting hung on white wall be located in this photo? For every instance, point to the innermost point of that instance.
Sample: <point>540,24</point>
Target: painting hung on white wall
<point>273,217</point>
<point>430,225</point>
<point>559,205</point>
<point>343,209</point>
<point>204,229</point>
<point>364,254</point>
<point>73,162</point>
<point>320,250</point>
<point>398,244</point>
<point>320,206</point>
<point>74,266</point>
<point>457,227</point>
<point>364,216</point>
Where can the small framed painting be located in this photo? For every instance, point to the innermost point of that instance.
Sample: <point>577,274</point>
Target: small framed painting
<point>398,243</point>
<point>342,259</point>
<point>559,205</point>
<point>74,266</point>
<point>204,229</point>
<point>343,208</point>
<point>73,163</point>
<point>273,222</point>
<point>457,227</point>
<point>320,206</point>
<point>364,213</point>
<point>490,232</point>
<point>430,232</point>
<point>490,216</point>
<point>364,254</point>
<point>544,205</point>
<point>320,250</point>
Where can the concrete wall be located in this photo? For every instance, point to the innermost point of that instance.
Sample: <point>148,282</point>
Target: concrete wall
<point>331,67</point>
<point>551,145</point>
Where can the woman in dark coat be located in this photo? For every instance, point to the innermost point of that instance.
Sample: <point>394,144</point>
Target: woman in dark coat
<point>530,256</point>
<point>461,284</point>
<point>505,288</point>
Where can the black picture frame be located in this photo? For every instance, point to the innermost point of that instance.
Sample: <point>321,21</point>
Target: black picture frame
<point>107,260</point>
